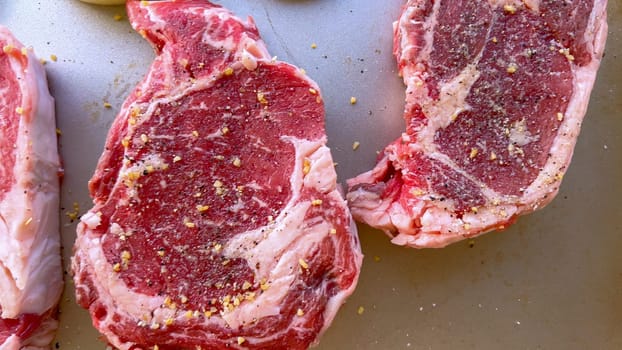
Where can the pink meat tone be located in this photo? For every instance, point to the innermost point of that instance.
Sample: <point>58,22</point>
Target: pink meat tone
<point>216,221</point>
<point>496,93</point>
<point>30,261</point>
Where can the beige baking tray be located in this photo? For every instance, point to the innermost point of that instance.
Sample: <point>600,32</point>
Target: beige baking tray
<point>552,281</point>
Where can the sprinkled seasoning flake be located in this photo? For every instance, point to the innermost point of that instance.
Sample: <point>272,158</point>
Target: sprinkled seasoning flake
<point>217,247</point>
<point>73,215</point>
<point>176,159</point>
<point>560,116</point>
<point>306,166</point>
<point>117,17</point>
<point>264,285</point>
<point>313,91</point>
<point>474,152</point>
<point>316,202</point>
<point>134,114</point>
<point>189,224</point>
<point>237,162</point>
<point>261,98</point>
<point>54,58</point>
<point>7,48</point>
<point>130,178</point>
<point>228,72</point>
<point>566,52</point>
<point>246,285</point>
<point>202,208</point>
<point>303,264</point>
<point>313,45</point>
<point>300,313</point>
<point>241,340</point>
<point>107,105</point>
<point>417,192</point>
<point>511,9</point>
<point>169,304</point>
<point>333,231</point>
<point>126,256</point>
<point>19,110</point>
<point>353,100</point>
<point>135,111</point>
<point>355,145</point>
<point>512,68</point>
<point>360,310</point>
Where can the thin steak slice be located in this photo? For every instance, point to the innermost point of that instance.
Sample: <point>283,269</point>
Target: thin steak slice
<point>216,220</point>
<point>30,263</point>
<point>496,92</point>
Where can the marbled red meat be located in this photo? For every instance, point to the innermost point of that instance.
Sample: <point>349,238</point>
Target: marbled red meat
<point>496,93</point>
<point>216,221</point>
<point>31,277</point>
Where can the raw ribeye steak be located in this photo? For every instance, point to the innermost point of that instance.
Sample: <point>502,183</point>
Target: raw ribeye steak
<point>31,277</point>
<point>216,221</point>
<point>496,92</point>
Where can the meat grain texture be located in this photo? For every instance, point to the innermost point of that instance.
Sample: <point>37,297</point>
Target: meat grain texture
<point>30,261</point>
<point>495,95</point>
<point>216,220</point>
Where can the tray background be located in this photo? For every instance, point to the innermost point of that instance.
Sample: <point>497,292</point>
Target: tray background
<point>551,281</point>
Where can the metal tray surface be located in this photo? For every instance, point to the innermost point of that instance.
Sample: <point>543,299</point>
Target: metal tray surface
<point>551,281</point>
